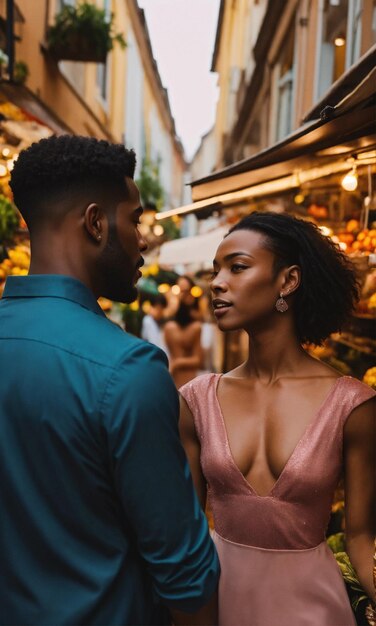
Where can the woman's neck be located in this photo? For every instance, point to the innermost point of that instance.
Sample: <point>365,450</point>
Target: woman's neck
<point>274,355</point>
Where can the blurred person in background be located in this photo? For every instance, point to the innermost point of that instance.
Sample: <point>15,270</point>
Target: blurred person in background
<point>99,520</point>
<point>186,298</point>
<point>153,321</point>
<point>183,335</point>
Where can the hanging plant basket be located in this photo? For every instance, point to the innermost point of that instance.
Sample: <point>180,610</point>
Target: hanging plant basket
<point>77,48</point>
<point>82,33</point>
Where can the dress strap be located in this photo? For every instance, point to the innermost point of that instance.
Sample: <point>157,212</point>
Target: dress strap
<point>198,395</point>
<point>352,394</point>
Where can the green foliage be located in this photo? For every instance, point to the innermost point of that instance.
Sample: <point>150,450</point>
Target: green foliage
<point>8,220</point>
<point>132,318</point>
<point>149,184</point>
<point>172,230</point>
<point>21,72</point>
<point>152,192</point>
<point>337,542</point>
<point>350,578</point>
<point>338,546</point>
<point>84,21</point>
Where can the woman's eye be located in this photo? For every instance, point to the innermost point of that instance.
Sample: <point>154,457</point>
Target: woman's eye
<point>213,275</point>
<point>236,267</point>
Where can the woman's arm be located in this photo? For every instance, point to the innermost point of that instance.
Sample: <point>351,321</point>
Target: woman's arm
<point>192,448</point>
<point>359,459</point>
<point>209,613</point>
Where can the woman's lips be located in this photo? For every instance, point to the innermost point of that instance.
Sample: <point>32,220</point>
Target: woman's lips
<point>221,310</point>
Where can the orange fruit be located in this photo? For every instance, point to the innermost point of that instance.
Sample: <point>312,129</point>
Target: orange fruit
<point>352,225</point>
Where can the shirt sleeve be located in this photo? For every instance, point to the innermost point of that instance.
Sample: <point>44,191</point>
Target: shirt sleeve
<point>140,410</point>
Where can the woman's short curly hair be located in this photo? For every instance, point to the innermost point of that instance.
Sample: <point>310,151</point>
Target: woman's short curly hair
<point>60,167</point>
<point>329,288</point>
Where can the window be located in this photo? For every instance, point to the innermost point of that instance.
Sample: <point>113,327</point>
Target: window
<point>332,44</point>
<point>102,68</point>
<point>61,3</point>
<point>354,31</point>
<point>285,85</point>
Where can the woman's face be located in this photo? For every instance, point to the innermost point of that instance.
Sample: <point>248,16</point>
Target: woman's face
<point>244,287</point>
<point>185,290</point>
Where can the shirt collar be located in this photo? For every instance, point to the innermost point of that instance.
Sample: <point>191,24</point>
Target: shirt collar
<point>51,286</point>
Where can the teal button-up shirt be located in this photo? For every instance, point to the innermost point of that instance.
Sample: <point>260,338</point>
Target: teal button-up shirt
<point>99,523</point>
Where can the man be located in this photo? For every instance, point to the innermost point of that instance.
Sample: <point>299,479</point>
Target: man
<point>99,520</point>
<point>152,329</point>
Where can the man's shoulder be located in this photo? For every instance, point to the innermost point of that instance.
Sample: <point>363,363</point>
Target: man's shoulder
<point>105,342</point>
<point>66,327</point>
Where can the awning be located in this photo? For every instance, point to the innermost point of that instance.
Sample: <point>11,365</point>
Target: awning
<point>316,149</point>
<point>198,250</point>
<point>22,97</point>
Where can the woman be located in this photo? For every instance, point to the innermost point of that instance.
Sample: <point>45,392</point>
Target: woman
<point>270,439</point>
<point>183,335</point>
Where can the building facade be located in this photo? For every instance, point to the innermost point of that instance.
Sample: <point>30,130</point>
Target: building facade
<point>275,59</point>
<point>121,100</point>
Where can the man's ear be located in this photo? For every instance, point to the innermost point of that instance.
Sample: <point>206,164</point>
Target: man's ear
<point>291,279</point>
<point>95,222</point>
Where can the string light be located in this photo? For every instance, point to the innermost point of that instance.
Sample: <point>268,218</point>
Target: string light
<point>350,181</point>
<point>196,291</point>
<point>163,288</point>
<point>299,198</point>
<point>158,230</point>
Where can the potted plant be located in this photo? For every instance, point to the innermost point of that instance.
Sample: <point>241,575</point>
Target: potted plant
<point>21,72</point>
<point>82,33</point>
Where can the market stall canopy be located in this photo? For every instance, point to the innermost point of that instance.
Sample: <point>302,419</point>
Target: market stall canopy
<point>341,125</point>
<point>198,250</point>
<point>22,97</point>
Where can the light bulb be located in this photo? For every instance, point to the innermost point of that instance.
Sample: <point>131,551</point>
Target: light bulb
<point>350,181</point>
<point>163,288</point>
<point>158,230</point>
<point>326,231</point>
<point>339,42</point>
<point>196,291</point>
<point>299,198</point>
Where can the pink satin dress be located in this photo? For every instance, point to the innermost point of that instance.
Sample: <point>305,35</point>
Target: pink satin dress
<point>276,568</point>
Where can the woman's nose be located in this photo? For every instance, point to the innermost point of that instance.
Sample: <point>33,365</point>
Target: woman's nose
<point>218,284</point>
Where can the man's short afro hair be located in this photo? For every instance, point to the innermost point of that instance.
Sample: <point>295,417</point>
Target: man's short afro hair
<point>56,164</point>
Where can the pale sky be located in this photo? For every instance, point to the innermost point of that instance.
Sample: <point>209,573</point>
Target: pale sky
<point>182,34</point>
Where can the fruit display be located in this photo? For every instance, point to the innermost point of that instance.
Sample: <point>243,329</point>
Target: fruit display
<point>17,262</point>
<point>12,112</point>
<point>317,211</point>
<point>371,304</point>
<point>363,241</point>
<point>370,377</point>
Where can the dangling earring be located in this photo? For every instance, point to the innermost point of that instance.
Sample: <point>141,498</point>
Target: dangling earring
<point>281,304</point>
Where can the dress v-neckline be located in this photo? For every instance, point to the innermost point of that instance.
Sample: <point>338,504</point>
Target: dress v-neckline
<point>305,433</point>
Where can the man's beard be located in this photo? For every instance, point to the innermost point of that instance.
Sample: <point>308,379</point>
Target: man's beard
<point>117,270</point>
